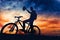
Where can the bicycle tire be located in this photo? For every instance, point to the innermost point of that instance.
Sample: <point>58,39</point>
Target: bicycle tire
<point>9,24</point>
<point>34,29</point>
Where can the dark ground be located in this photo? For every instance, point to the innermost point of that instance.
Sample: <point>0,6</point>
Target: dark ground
<point>27,37</point>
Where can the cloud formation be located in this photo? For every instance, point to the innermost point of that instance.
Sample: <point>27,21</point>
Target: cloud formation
<point>39,5</point>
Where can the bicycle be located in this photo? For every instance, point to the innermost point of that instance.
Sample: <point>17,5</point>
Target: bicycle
<point>14,26</point>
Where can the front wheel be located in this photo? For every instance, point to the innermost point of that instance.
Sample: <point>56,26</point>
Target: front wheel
<point>6,28</point>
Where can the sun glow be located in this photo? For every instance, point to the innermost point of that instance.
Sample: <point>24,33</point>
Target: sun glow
<point>46,24</point>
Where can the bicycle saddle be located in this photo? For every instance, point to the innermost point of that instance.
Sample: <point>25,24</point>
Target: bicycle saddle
<point>18,16</point>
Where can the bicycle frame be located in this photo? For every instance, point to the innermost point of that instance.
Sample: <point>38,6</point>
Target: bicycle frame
<point>19,21</point>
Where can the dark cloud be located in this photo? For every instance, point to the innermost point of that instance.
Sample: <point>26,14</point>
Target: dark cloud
<point>45,5</point>
<point>39,5</point>
<point>11,0</point>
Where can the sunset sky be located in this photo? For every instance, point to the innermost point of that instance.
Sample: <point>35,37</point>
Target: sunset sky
<point>48,19</point>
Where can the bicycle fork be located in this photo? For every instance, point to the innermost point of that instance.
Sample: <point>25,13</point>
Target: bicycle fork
<point>11,30</point>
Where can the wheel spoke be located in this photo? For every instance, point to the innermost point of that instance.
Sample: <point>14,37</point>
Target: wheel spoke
<point>6,29</point>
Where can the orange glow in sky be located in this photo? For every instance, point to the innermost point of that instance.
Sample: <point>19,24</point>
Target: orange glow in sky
<point>48,25</point>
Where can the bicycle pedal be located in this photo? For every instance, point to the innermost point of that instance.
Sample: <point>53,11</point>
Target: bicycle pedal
<point>10,30</point>
<point>21,29</point>
<point>25,31</point>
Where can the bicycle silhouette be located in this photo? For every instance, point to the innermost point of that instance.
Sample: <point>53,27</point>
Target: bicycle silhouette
<point>13,28</point>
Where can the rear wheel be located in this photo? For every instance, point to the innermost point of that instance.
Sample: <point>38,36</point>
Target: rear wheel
<point>6,29</point>
<point>36,30</point>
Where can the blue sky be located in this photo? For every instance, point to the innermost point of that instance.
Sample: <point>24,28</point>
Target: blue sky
<point>39,5</point>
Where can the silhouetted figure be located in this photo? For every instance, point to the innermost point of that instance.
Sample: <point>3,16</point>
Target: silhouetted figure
<point>33,16</point>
